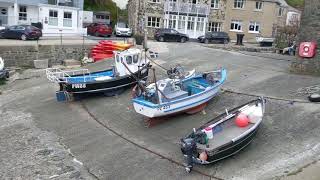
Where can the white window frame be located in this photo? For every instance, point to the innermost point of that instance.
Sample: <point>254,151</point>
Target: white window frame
<point>172,22</point>
<point>200,24</point>
<point>153,22</point>
<point>239,4</point>
<point>53,18</point>
<point>190,23</point>
<point>237,26</point>
<point>182,22</point>
<point>214,26</point>
<point>154,1</point>
<point>256,27</point>
<point>67,22</point>
<point>259,6</point>
<point>215,4</point>
<point>23,15</point>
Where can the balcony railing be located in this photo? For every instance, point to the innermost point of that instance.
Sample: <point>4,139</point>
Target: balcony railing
<point>188,8</point>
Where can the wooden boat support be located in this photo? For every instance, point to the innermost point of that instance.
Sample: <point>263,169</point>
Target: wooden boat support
<point>223,136</point>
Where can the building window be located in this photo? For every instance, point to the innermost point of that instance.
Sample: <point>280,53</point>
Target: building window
<point>102,17</point>
<point>172,21</point>
<point>280,12</point>
<point>23,13</point>
<point>236,25</point>
<point>200,24</point>
<point>214,26</point>
<point>215,4</point>
<point>239,4</point>
<point>53,18</point>
<point>190,25</point>
<point>154,1</point>
<point>254,27</point>
<point>182,22</point>
<point>52,2</point>
<point>154,22</point>
<point>258,5</point>
<point>67,19</point>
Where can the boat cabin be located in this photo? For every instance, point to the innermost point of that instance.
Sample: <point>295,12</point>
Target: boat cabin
<point>170,90</point>
<point>128,61</point>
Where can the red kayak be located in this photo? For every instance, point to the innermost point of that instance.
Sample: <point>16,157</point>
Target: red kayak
<point>105,49</point>
<point>99,57</point>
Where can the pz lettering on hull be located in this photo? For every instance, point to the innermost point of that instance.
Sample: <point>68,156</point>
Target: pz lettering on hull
<point>78,86</point>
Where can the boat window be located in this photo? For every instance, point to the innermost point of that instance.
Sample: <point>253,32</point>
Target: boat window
<point>129,59</point>
<point>162,85</point>
<point>135,58</point>
<point>121,59</point>
<point>117,58</point>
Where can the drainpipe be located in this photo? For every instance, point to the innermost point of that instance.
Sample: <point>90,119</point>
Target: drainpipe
<point>15,13</point>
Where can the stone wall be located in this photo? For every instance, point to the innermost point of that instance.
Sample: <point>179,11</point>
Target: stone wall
<point>24,55</point>
<point>309,31</point>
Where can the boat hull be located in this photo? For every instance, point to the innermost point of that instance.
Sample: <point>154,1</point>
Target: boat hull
<point>112,85</point>
<point>167,109</point>
<point>230,149</point>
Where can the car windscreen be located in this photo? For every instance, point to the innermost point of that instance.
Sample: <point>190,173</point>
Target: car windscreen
<point>122,25</point>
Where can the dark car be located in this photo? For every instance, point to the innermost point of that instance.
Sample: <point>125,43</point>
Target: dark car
<point>221,37</point>
<point>23,32</point>
<point>170,35</point>
<point>99,29</point>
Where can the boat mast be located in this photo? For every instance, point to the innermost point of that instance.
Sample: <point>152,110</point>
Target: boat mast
<point>155,82</point>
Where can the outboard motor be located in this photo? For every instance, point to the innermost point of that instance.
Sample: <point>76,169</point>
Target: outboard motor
<point>188,148</point>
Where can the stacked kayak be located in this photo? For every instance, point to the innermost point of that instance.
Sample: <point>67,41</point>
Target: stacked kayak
<point>105,49</point>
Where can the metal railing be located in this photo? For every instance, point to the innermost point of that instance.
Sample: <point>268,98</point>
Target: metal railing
<point>57,75</point>
<point>188,8</point>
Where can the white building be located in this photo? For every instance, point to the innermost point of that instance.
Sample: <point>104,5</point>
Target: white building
<point>56,16</point>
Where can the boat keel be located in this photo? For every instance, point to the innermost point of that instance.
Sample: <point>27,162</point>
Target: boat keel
<point>196,109</point>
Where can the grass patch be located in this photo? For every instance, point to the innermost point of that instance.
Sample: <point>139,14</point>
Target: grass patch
<point>296,3</point>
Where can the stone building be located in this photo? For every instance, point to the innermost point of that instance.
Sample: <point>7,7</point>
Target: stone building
<point>196,17</point>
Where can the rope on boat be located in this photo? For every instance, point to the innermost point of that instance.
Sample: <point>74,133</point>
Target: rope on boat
<point>142,147</point>
<point>150,59</point>
<point>270,97</point>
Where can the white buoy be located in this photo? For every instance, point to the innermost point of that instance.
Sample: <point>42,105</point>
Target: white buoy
<point>1,64</point>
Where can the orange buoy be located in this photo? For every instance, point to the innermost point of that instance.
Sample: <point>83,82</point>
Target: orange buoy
<point>203,156</point>
<point>242,120</point>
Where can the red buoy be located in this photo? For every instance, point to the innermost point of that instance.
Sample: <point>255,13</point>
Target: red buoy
<point>242,120</point>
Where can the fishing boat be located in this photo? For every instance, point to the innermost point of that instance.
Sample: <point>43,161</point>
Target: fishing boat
<point>171,95</point>
<point>129,67</point>
<point>223,136</point>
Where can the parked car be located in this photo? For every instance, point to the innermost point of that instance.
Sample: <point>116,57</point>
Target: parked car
<point>221,37</point>
<point>99,29</point>
<point>23,32</point>
<point>122,29</point>
<point>170,35</point>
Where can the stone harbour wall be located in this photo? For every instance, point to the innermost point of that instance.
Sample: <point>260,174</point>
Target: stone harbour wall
<point>23,56</point>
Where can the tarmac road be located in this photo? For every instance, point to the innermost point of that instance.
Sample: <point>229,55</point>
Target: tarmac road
<point>110,138</point>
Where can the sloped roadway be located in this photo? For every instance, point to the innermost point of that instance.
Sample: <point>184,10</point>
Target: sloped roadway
<point>110,138</point>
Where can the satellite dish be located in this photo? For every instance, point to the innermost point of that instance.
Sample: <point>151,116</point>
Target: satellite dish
<point>1,64</point>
